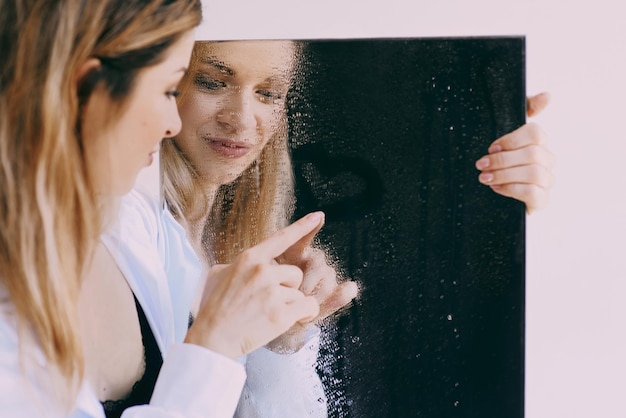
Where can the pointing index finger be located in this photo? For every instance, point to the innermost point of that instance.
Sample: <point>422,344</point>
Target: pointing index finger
<point>283,239</point>
<point>297,249</point>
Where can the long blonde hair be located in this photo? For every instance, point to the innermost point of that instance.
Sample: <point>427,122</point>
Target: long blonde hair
<point>244,212</point>
<point>49,217</point>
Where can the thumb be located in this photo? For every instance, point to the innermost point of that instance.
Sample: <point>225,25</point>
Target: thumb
<point>535,104</point>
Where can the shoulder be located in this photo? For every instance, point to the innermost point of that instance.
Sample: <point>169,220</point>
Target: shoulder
<point>139,207</point>
<point>137,219</point>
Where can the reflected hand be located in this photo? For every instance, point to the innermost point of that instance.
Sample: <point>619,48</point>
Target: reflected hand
<point>519,165</point>
<point>320,282</point>
<point>248,303</point>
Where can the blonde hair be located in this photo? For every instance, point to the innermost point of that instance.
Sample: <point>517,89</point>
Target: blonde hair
<point>49,217</point>
<point>246,211</point>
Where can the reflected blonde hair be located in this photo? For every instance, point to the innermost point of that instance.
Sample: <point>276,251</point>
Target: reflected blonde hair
<point>49,216</point>
<point>246,211</point>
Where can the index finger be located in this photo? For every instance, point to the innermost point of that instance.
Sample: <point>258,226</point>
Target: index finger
<point>283,239</point>
<point>297,249</point>
<point>528,134</point>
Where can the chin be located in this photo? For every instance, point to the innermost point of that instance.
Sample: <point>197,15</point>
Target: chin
<point>221,178</point>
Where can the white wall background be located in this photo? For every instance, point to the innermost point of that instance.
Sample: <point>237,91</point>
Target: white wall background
<point>576,277</point>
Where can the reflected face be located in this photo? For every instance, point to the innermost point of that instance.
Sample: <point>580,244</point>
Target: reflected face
<point>117,151</point>
<point>234,104</point>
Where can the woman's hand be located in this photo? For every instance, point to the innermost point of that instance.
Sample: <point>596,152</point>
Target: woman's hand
<point>250,302</point>
<point>519,165</point>
<point>320,282</point>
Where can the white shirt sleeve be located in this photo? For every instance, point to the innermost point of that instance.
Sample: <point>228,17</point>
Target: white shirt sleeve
<point>193,383</point>
<point>284,385</point>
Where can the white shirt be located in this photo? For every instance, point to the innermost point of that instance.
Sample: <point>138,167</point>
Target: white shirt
<point>152,252</point>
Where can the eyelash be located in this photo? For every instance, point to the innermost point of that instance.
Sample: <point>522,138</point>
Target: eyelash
<point>272,98</point>
<point>208,83</point>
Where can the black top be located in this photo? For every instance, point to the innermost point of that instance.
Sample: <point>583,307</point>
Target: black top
<point>142,389</point>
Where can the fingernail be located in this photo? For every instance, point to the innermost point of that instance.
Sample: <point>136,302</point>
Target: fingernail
<point>314,217</point>
<point>495,148</point>
<point>482,163</point>
<point>485,178</point>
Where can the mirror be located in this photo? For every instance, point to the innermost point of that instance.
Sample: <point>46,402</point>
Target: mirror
<point>382,135</point>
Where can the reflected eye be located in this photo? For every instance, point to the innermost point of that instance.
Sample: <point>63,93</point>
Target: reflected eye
<point>270,96</point>
<point>208,83</point>
<point>172,94</point>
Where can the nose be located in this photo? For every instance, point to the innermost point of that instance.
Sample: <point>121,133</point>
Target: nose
<point>237,112</point>
<point>173,124</point>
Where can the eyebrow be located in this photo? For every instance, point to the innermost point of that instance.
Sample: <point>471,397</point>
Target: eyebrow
<point>278,79</point>
<point>220,65</point>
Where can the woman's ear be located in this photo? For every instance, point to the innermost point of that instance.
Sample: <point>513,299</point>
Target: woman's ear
<point>87,66</point>
<point>86,77</point>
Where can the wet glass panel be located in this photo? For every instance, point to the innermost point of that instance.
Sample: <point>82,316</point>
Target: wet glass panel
<point>384,134</point>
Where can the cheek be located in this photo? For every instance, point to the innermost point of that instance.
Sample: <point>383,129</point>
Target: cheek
<point>158,118</point>
<point>187,144</point>
<point>256,153</point>
<point>186,110</point>
<point>146,133</point>
<point>270,120</point>
<point>196,110</point>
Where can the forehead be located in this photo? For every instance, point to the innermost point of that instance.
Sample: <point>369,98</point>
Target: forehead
<point>259,59</point>
<point>175,60</point>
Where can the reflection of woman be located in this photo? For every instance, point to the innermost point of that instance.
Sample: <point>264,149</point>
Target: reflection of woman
<point>80,114</point>
<point>227,178</point>
<point>230,160</point>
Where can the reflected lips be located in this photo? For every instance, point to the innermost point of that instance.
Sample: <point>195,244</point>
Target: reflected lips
<point>230,149</point>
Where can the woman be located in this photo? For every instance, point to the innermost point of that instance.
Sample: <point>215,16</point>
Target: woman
<point>87,93</point>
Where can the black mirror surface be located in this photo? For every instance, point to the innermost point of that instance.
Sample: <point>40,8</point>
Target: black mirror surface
<point>384,135</point>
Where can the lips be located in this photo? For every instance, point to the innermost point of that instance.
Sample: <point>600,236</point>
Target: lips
<point>228,148</point>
